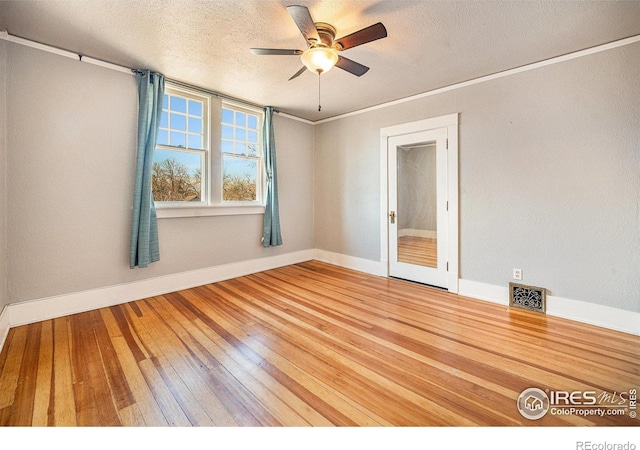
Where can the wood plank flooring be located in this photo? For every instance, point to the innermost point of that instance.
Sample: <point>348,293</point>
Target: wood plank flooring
<point>306,345</point>
<point>418,250</point>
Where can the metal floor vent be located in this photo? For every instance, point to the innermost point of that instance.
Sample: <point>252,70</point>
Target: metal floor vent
<point>527,297</point>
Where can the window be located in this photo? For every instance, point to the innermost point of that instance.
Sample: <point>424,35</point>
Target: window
<point>181,150</point>
<point>241,160</point>
<point>206,168</point>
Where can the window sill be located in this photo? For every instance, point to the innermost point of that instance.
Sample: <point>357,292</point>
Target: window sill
<point>168,212</point>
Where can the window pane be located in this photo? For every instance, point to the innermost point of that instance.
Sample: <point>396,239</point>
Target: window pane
<point>227,146</point>
<point>241,119</point>
<point>241,134</point>
<point>227,132</point>
<point>178,104</point>
<point>227,115</point>
<point>240,138</point>
<point>176,176</point>
<point>195,108</point>
<point>178,139</point>
<point>163,137</point>
<point>195,125</point>
<point>195,141</point>
<point>239,181</point>
<point>178,122</point>
<point>177,170</point>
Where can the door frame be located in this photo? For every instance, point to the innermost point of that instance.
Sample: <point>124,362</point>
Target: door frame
<point>450,122</point>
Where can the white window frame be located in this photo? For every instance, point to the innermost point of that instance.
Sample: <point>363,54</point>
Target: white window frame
<point>212,172</point>
<point>258,158</point>
<point>205,152</point>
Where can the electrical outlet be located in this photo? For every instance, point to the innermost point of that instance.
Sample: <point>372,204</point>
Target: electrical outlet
<point>517,274</point>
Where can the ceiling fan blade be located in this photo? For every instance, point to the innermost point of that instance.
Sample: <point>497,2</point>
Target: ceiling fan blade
<point>275,51</point>
<point>298,73</point>
<point>351,66</point>
<point>371,33</point>
<point>302,17</point>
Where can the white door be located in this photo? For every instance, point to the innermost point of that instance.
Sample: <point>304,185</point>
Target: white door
<point>417,216</point>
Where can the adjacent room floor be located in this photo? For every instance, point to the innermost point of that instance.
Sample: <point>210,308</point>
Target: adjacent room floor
<point>308,344</point>
<point>418,250</point>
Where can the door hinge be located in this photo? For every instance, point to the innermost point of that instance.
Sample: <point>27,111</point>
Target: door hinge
<point>447,266</point>
<point>447,144</point>
<point>447,205</point>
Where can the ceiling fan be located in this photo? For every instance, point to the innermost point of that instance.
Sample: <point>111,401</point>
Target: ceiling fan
<point>322,46</point>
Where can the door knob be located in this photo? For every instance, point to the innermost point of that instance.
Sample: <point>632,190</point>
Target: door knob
<point>392,214</point>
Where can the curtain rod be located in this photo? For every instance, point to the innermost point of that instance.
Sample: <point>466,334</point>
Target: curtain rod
<point>214,93</point>
<point>109,65</point>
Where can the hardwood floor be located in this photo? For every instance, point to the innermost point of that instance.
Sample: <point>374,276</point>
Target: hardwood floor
<point>418,250</point>
<point>308,344</point>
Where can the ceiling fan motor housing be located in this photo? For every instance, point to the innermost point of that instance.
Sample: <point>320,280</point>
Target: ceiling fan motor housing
<point>327,34</point>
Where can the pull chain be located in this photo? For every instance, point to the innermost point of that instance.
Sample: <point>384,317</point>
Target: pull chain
<point>319,106</point>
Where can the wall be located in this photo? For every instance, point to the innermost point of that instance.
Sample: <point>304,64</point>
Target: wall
<point>549,181</point>
<point>3,178</point>
<point>549,177</point>
<point>71,145</point>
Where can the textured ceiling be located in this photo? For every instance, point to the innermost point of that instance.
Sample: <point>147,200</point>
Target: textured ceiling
<point>430,44</point>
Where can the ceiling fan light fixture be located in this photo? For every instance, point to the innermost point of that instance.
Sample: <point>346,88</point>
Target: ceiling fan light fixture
<point>319,59</point>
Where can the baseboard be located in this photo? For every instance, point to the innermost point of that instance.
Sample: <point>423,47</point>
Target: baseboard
<point>579,311</point>
<point>483,291</point>
<point>58,306</point>
<point>63,305</point>
<point>4,326</point>
<point>351,262</point>
<point>431,234</point>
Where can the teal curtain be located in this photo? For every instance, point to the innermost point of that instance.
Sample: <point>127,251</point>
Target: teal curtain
<point>144,226</point>
<point>271,228</point>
